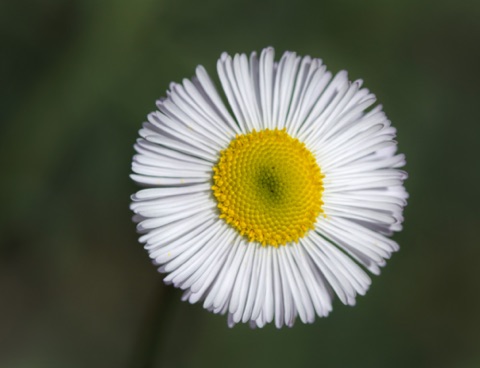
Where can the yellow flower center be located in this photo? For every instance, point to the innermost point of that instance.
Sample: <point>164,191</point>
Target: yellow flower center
<point>268,186</point>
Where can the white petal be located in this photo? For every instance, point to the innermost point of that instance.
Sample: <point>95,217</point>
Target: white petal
<point>283,87</point>
<point>278,292</point>
<point>240,289</point>
<point>176,145</point>
<point>221,288</point>
<point>299,290</point>
<point>266,77</point>
<point>254,281</point>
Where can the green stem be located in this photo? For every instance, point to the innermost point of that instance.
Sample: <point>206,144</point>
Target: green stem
<point>153,328</point>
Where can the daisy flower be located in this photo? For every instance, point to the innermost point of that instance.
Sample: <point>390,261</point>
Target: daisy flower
<point>271,195</point>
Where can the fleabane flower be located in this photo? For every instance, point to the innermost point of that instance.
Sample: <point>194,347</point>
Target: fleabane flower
<point>271,196</point>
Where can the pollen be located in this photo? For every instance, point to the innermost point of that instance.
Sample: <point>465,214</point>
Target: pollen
<point>268,186</point>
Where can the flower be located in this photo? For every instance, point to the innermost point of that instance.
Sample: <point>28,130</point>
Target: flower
<point>267,207</point>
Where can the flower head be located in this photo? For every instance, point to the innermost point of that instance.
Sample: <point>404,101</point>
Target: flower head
<point>269,207</point>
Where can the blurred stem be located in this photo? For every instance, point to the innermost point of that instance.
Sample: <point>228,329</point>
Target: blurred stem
<point>152,333</point>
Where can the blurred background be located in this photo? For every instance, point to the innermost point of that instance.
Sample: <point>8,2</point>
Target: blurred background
<point>77,80</point>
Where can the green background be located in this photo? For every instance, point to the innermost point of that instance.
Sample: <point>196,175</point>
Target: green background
<point>77,80</point>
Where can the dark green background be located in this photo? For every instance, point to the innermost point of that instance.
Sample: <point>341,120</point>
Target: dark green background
<point>78,78</point>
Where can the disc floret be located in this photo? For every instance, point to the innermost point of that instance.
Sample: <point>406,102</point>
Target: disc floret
<point>268,186</point>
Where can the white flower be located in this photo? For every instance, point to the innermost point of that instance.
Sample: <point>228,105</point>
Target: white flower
<point>268,211</point>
